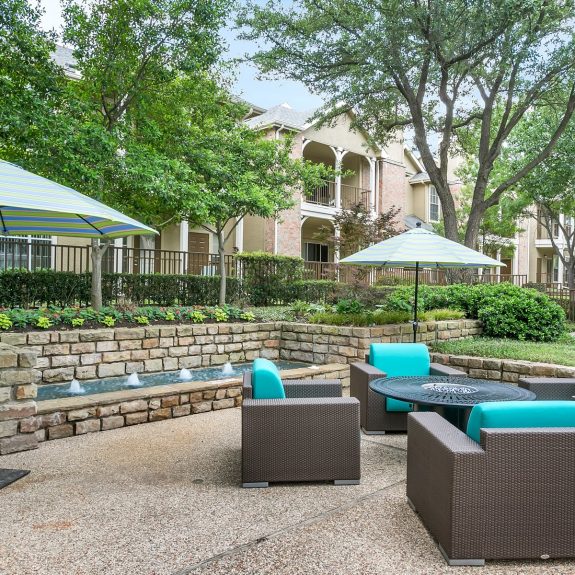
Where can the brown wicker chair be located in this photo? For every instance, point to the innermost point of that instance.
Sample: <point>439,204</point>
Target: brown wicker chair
<point>375,419</point>
<point>312,435</point>
<point>510,497</point>
<point>562,388</point>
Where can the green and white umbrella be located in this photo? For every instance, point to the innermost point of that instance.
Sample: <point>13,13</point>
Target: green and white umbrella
<point>420,248</point>
<point>31,204</point>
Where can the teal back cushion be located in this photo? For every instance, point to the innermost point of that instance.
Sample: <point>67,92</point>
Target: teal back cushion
<point>400,358</point>
<point>505,414</point>
<point>397,359</point>
<point>266,380</point>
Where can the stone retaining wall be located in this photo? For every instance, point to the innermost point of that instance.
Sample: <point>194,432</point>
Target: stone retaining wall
<point>96,353</point>
<point>334,344</point>
<point>18,389</point>
<point>509,370</point>
<point>69,416</point>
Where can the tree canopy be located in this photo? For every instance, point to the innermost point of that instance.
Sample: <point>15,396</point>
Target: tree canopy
<point>436,68</point>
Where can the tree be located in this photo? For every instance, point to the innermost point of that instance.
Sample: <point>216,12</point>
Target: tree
<point>243,173</point>
<point>30,83</point>
<point>548,192</point>
<point>498,226</point>
<point>126,53</point>
<point>357,228</point>
<point>438,67</point>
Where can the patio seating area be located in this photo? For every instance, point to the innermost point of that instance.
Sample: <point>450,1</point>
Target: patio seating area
<point>170,503</point>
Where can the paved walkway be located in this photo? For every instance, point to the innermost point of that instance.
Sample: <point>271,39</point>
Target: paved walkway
<point>164,499</point>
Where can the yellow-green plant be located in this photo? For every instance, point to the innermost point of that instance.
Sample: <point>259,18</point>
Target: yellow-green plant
<point>78,322</point>
<point>5,321</point>
<point>43,322</point>
<point>142,320</point>
<point>109,321</point>
<point>220,314</point>
<point>170,316</point>
<point>248,316</point>
<point>197,316</point>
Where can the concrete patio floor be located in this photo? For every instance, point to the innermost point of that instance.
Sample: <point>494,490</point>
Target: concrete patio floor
<point>164,499</point>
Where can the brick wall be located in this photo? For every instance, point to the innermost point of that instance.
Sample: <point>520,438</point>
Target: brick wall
<point>393,187</point>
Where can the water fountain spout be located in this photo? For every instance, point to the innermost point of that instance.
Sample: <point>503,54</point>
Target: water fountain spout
<point>228,369</point>
<point>133,380</point>
<point>185,374</point>
<point>76,388</point>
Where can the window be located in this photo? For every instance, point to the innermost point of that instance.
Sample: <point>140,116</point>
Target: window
<point>25,252</point>
<point>315,252</point>
<point>434,206</point>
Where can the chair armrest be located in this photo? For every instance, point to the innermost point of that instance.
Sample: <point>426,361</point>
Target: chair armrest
<point>360,374</point>
<point>444,467</point>
<point>439,369</point>
<point>298,388</point>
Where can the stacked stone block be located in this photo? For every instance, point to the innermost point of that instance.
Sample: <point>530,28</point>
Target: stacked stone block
<point>322,344</point>
<point>18,379</point>
<point>507,370</point>
<point>97,353</point>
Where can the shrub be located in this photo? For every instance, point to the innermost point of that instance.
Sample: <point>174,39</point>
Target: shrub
<point>524,315</point>
<point>383,317</point>
<point>108,321</point>
<point>358,319</point>
<point>352,306</point>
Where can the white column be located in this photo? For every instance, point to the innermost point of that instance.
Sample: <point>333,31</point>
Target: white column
<point>184,229</point>
<point>276,230</point>
<point>372,181</point>
<point>336,249</point>
<point>240,235</point>
<point>118,259</point>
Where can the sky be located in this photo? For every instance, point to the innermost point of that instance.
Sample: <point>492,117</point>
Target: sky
<point>265,93</point>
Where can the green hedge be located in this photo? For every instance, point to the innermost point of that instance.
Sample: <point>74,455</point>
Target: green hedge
<point>23,289</point>
<point>267,278</point>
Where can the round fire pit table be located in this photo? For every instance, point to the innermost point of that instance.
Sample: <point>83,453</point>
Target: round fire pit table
<point>452,397</point>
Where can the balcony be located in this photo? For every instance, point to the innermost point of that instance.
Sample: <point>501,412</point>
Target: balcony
<point>325,195</point>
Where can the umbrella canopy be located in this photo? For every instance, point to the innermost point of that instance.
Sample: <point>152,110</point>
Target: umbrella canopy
<point>419,248</point>
<point>31,204</point>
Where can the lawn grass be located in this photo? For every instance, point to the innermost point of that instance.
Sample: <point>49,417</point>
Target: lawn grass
<point>561,352</point>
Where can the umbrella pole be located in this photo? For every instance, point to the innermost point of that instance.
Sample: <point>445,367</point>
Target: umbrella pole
<point>415,306</point>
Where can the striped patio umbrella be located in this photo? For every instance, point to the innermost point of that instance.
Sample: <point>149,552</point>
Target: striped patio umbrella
<point>31,204</point>
<point>419,248</point>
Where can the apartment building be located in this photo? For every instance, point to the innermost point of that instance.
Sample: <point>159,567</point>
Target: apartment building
<point>377,177</point>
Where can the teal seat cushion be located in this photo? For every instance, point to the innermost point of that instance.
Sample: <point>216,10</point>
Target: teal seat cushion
<point>266,380</point>
<point>513,414</point>
<point>397,359</point>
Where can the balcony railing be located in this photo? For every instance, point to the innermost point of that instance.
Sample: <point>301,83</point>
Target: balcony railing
<point>352,195</point>
<point>324,195</point>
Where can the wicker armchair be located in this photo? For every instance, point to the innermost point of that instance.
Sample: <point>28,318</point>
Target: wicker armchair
<point>312,435</point>
<point>544,388</point>
<point>508,497</point>
<point>374,415</point>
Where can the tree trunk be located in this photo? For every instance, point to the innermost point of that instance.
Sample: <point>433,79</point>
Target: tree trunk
<point>571,274</point>
<point>222,266</point>
<point>98,251</point>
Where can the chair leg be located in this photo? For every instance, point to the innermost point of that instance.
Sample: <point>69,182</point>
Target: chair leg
<point>372,432</point>
<point>461,562</point>
<point>346,482</point>
<point>256,484</point>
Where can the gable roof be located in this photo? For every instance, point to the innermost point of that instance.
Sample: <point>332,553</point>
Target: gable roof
<point>281,115</point>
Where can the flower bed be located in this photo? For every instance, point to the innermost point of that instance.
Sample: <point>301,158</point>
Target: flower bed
<point>76,317</point>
